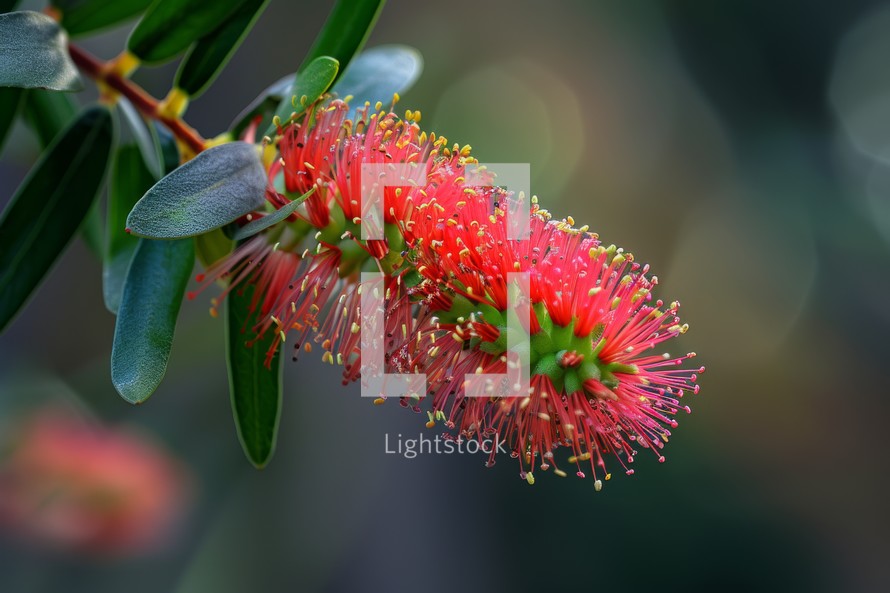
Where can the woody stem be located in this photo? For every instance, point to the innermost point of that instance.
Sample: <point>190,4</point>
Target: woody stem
<point>145,103</point>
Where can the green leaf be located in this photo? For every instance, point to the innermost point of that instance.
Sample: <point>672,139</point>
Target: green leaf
<point>150,302</point>
<point>212,52</point>
<point>11,100</point>
<point>50,205</point>
<point>48,113</point>
<point>345,31</point>
<point>170,26</point>
<point>35,53</point>
<point>92,231</point>
<point>311,82</point>
<point>165,143</point>
<point>212,247</point>
<point>143,137</point>
<point>84,16</point>
<point>255,390</point>
<point>146,320</point>
<point>260,224</point>
<point>215,188</point>
<point>130,179</point>
<point>378,73</point>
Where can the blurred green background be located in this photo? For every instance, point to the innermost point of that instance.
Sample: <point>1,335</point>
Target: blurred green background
<point>740,148</point>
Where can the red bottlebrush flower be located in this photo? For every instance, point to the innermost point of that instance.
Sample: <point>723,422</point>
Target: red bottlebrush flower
<point>71,484</point>
<point>596,388</point>
<point>307,271</point>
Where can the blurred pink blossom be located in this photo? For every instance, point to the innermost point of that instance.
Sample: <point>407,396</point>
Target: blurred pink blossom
<point>77,485</point>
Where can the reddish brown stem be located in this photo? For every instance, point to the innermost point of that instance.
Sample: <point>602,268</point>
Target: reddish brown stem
<point>145,103</point>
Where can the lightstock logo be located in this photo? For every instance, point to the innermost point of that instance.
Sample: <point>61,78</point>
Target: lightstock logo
<point>375,381</point>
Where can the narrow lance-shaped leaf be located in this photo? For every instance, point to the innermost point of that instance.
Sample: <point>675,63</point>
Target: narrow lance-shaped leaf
<point>130,178</point>
<point>168,152</point>
<point>215,188</point>
<point>170,26</point>
<point>150,303</point>
<point>146,320</point>
<point>212,52</point>
<point>143,137</point>
<point>35,53</point>
<point>260,224</point>
<point>255,390</point>
<point>47,113</point>
<point>49,206</point>
<point>311,83</point>
<point>11,100</point>
<point>376,74</point>
<point>92,230</point>
<point>346,30</point>
<point>85,16</point>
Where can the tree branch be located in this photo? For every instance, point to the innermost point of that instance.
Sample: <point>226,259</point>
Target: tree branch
<point>145,103</point>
